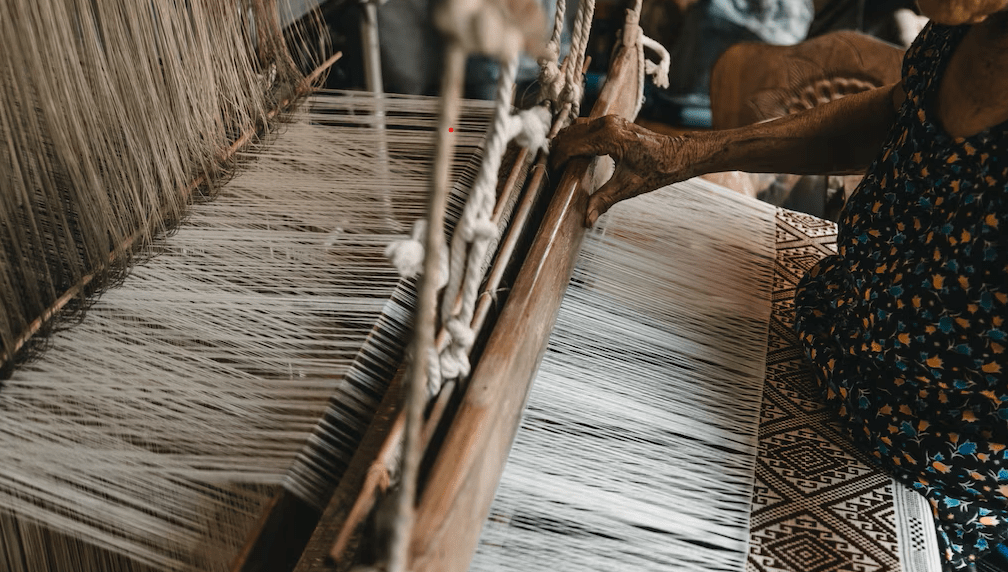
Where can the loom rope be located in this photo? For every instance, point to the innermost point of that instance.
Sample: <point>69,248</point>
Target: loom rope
<point>659,71</point>
<point>551,80</point>
<point>426,316</point>
<point>469,245</point>
<point>476,230</point>
<point>573,91</point>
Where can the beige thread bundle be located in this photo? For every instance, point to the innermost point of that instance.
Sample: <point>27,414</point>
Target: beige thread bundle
<point>110,111</point>
<point>159,428</point>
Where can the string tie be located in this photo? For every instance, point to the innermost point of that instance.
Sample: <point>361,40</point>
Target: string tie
<point>481,228</point>
<point>535,126</point>
<point>407,255</point>
<point>659,71</point>
<point>572,93</point>
<point>551,81</point>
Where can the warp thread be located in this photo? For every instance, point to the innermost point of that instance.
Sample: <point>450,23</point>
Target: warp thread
<point>653,351</point>
<point>158,428</point>
<point>112,109</point>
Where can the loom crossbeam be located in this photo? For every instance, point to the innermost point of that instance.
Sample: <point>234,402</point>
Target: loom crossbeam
<point>465,475</point>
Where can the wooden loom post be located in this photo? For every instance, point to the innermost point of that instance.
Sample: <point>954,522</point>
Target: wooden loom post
<point>464,476</point>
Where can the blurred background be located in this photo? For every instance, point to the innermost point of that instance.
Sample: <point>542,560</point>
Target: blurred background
<point>733,62</point>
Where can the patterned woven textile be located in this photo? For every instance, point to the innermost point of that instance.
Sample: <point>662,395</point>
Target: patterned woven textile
<point>819,505</point>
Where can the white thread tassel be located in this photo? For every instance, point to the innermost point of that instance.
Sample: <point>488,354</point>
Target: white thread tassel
<point>534,132</point>
<point>659,71</point>
<point>407,255</point>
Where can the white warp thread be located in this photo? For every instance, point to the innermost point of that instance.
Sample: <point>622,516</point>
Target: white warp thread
<point>161,426</point>
<point>638,446</point>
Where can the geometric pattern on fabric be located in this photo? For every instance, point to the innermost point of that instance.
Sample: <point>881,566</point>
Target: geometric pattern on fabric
<point>819,505</point>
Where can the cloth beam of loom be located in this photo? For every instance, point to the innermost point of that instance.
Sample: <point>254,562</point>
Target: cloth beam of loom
<point>159,427</point>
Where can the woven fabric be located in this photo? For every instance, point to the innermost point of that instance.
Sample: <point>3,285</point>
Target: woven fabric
<point>819,505</point>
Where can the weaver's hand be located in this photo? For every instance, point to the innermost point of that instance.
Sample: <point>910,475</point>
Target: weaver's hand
<point>645,160</point>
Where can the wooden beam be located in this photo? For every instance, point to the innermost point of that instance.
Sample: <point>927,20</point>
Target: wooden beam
<point>464,476</point>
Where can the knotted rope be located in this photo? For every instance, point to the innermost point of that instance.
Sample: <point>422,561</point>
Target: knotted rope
<point>475,230</point>
<point>551,81</point>
<point>573,90</point>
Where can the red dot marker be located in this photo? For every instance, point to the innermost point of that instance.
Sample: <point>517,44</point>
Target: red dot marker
<point>450,129</point>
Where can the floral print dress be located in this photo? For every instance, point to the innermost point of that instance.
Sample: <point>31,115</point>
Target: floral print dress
<point>905,326</point>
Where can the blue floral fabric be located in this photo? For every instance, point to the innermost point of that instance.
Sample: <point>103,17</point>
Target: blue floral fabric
<point>905,326</point>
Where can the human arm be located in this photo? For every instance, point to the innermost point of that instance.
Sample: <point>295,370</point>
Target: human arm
<point>839,137</point>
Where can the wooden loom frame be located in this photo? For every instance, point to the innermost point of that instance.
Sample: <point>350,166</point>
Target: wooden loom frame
<point>466,471</point>
<point>464,475</point>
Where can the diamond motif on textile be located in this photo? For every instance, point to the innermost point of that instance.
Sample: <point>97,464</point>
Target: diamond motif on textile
<point>817,506</point>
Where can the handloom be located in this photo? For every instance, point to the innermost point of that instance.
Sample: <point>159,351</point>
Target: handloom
<point>157,432</point>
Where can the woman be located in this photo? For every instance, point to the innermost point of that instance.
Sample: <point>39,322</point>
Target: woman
<point>906,326</point>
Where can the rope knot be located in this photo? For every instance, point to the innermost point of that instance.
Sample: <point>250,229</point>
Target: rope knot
<point>550,79</point>
<point>572,93</point>
<point>455,358</point>
<point>461,333</point>
<point>454,363</point>
<point>480,228</point>
<point>551,83</point>
<point>659,71</point>
<point>550,55</point>
<point>407,255</point>
<point>535,128</point>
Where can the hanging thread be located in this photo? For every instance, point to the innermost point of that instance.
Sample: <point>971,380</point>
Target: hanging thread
<point>659,71</point>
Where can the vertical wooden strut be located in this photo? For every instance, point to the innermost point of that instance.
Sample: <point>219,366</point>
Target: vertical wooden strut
<point>465,474</point>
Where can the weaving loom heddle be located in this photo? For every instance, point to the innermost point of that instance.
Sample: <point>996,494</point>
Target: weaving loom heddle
<point>298,352</point>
